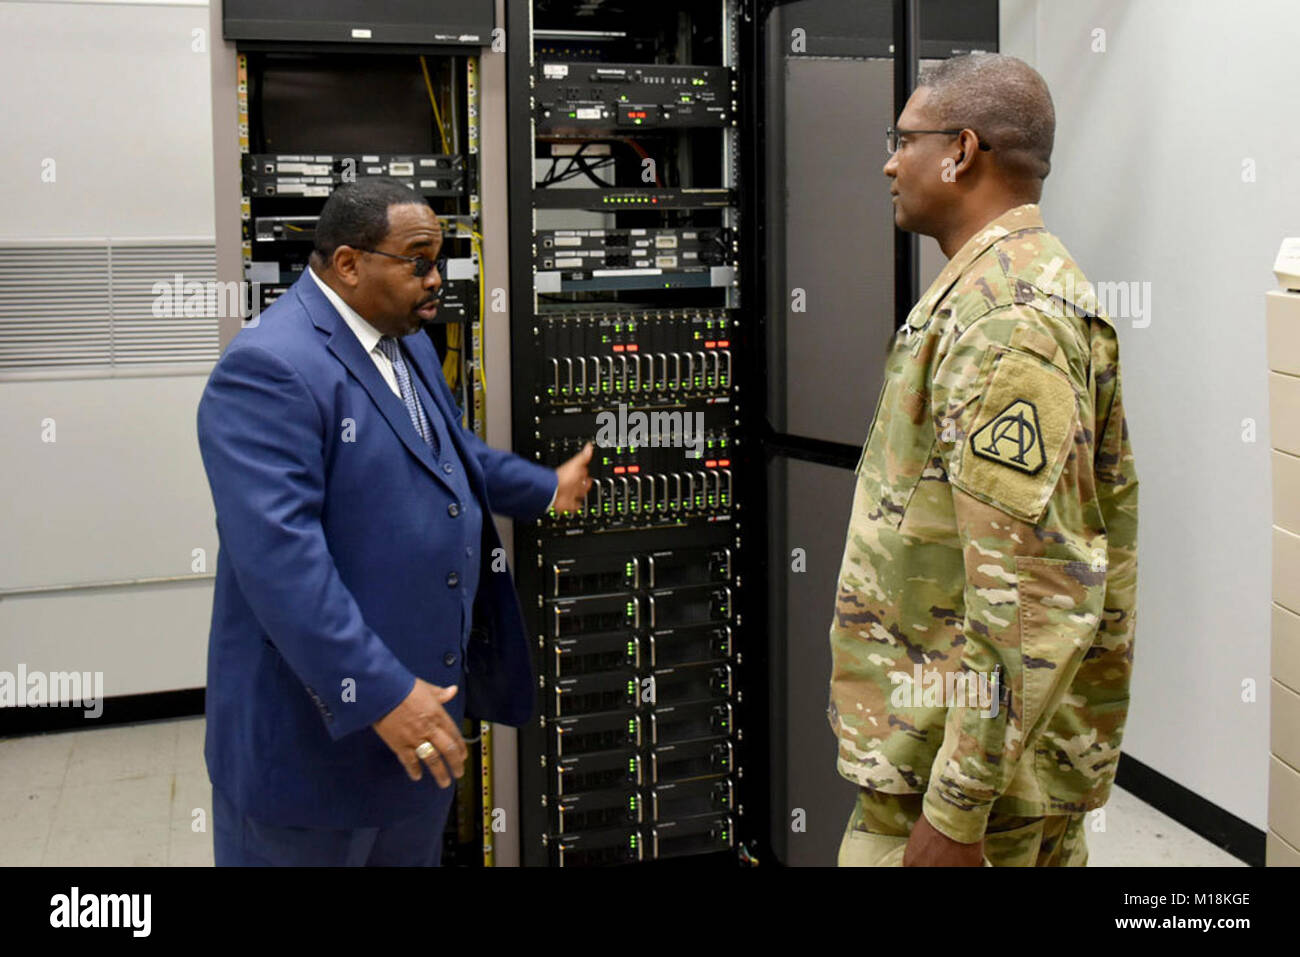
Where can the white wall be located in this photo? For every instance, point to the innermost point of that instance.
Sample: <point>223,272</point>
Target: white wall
<point>117,95</point>
<point>1147,185</point>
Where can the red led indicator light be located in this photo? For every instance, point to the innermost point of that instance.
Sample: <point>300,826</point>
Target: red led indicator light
<point>723,463</point>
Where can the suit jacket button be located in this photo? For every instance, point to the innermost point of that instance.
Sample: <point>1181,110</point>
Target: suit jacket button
<point>446,467</point>
<point>453,509</point>
<point>452,579</point>
<point>449,659</point>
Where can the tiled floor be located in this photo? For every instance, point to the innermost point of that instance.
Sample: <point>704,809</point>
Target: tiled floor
<point>113,796</point>
<point>1137,835</point>
<point>139,795</point>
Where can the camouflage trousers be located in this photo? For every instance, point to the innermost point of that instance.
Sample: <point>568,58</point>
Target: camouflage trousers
<point>880,823</point>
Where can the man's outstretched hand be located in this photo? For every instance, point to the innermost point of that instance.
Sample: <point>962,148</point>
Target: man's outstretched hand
<point>419,718</point>
<point>571,491</point>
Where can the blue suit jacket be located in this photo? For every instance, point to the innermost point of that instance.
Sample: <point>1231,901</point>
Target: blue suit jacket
<point>331,590</point>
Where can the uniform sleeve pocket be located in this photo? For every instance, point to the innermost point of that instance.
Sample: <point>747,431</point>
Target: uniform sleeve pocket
<point>1060,611</point>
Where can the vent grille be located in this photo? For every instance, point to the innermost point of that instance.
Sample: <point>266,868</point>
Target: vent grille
<point>90,303</point>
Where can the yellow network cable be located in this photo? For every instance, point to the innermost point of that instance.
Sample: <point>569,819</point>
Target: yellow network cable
<point>455,337</point>
<point>433,100</point>
<point>451,365</point>
<point>480,367</point>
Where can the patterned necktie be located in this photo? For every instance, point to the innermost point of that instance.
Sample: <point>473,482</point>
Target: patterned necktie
<point>391,348</point>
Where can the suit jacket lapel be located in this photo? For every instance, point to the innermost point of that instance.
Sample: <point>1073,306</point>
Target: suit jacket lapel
<point>347,348</point>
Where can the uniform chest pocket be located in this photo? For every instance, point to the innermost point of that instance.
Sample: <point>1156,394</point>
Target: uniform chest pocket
<point>898,450</point>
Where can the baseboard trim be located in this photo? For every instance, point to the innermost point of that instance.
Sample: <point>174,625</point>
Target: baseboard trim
<point>1221,828</point>
<point>125,709</point>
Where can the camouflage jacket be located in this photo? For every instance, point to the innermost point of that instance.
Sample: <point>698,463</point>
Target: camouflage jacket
<point>993,541</point>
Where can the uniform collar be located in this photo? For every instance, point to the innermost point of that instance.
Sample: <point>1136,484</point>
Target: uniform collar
<point>1013,221</point>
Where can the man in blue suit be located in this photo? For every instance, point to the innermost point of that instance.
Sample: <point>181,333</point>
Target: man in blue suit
<point>360,582</point>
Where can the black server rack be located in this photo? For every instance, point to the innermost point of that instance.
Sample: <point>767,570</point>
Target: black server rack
<point>629,329</point>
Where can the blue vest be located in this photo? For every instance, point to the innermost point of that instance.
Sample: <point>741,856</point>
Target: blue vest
<point>467,568</point>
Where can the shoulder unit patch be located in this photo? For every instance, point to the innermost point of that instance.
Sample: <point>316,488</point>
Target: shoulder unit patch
<point>1012,437</point>
<point>1020,437</point>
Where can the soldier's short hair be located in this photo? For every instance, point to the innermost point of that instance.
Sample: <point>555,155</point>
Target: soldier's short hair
<point>1004,100</point>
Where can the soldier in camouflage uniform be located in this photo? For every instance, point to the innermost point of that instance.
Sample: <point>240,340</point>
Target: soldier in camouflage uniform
<point>994,525</point>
